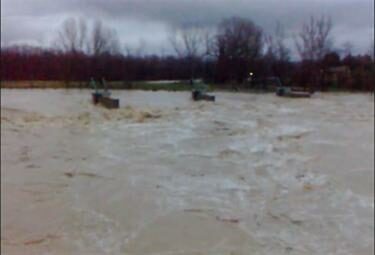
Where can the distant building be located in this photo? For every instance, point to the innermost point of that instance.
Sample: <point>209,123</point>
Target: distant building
<point>336,75</point>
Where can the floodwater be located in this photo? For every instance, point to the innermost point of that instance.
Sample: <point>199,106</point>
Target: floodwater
<point>248,174</point>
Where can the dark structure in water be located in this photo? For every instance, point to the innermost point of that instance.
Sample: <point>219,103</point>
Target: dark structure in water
<point>103,97</point>
<point>199,93</point>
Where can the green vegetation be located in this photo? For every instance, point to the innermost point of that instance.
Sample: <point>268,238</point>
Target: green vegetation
<point>42,84</point>
<point>144,85</point>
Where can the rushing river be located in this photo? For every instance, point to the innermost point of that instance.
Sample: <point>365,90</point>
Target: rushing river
<point>162,175</point>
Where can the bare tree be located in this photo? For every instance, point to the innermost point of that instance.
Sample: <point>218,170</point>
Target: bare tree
<point>275,46</point>
<point>76,39</point>
<point>239,38</point>
<point>73,36</point>
<point>313,40</point>
<point>270,47</point>
<point>103,40</point>
<point>188,43</point>
<point>238,45</point>
<point>209,37</point>
<point>277,54</point>
<point>72,39</point>
<point>282,51</point>
<point>83,38</point>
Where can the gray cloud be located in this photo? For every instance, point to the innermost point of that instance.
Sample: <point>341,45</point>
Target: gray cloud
<point>149,20</point>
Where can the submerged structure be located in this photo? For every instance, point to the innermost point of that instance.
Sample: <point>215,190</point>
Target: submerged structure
<point>199,93</point>
<point>293,92</point>
<point>103,97</point>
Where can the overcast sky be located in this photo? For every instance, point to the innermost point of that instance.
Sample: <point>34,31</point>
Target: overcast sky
<point>148,22</point>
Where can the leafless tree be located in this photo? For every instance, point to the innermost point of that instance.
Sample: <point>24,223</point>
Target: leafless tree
<point>239,38</point>
<point>73,36</point>
<point>282,51</point>
<point>188,43</point>
<point>313,41</point>
<point>72,39</point>
<point>277,55</point>
<point>209,37</point>
<point>270,47</point>
<point>103,40</point>
<point>238,45</point>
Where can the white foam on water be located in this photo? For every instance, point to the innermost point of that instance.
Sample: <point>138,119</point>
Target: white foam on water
<point>211,158</point>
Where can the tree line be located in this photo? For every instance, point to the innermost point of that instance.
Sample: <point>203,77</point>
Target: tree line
<point>225,56</point>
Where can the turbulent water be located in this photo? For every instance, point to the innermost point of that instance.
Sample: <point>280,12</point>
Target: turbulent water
<point>162,175</point>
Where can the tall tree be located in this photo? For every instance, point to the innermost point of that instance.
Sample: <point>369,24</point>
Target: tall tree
<point>238,46</point>
<point>188,43</point>
<point>76,40</point>
<point>313,40</point>
<point>277,55</point>
<point>103,40</point>
<point>72,39</point>
<point>72,36</point>
<point>275,44</point>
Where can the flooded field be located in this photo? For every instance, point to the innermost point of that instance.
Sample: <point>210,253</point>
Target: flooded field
<point>162,175</point>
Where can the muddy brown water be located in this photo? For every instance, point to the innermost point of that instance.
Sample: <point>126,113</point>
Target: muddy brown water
<point>248,174</point>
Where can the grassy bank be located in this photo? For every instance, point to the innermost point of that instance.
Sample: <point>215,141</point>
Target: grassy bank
<point>140,85</point>
<point>150,86</point>
<point>42,84</point>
